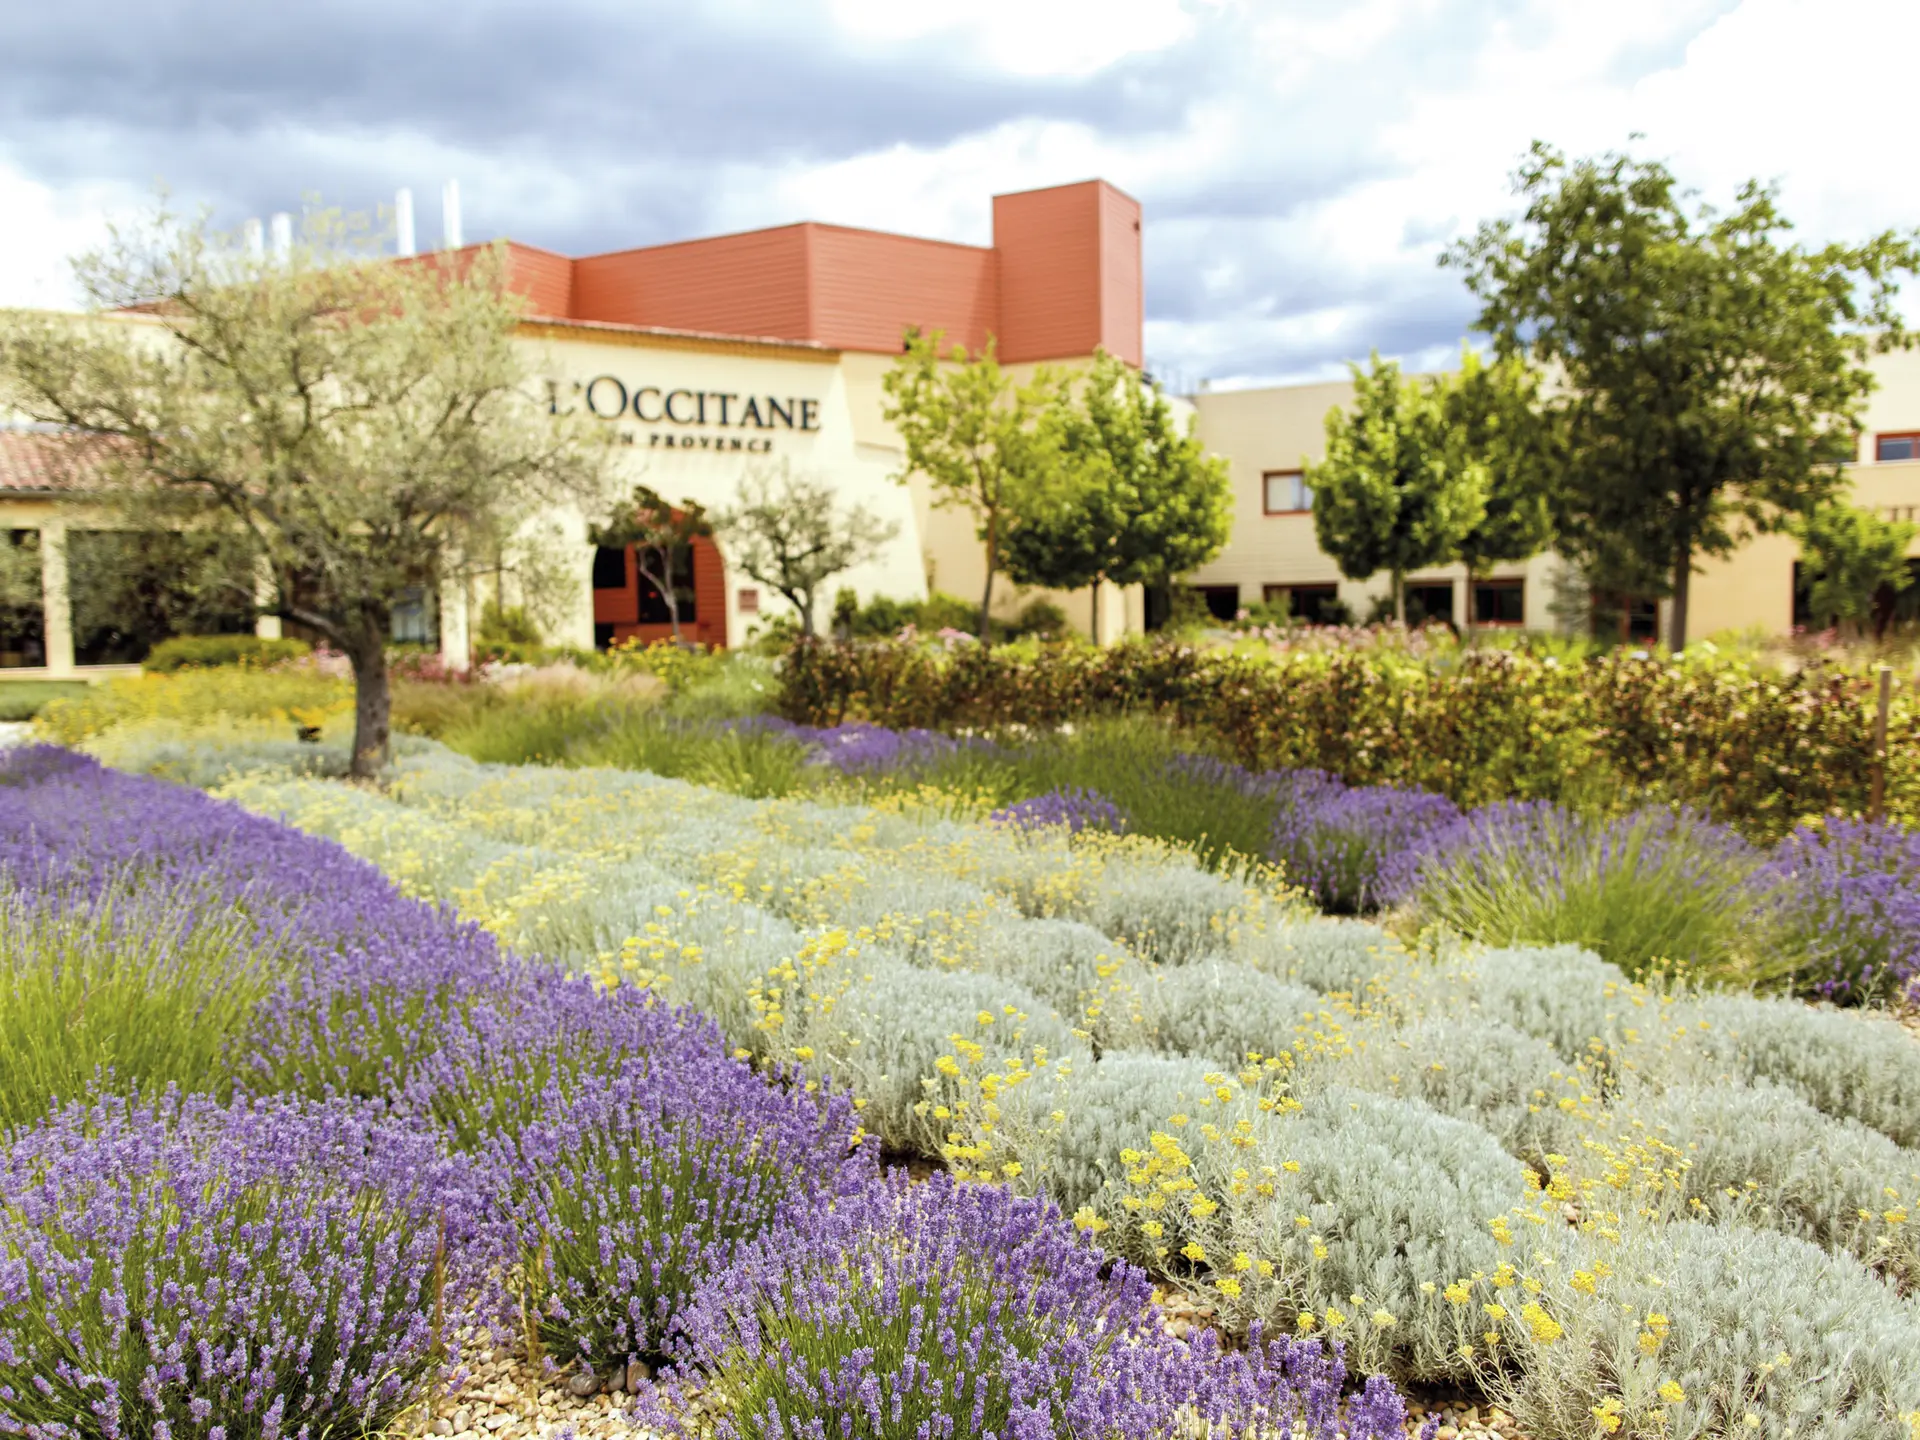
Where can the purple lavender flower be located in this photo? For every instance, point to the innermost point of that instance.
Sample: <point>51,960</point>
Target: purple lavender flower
<point>952,1309</point>
<point>630,1198</point>
<point>267,1268</point>
<point>1351,848</point>
<point>1073,806</point>
<point>1847,899</point>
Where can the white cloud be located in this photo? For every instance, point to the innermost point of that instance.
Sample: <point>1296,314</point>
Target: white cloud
<point>1301,163</point>
<point>44,229</point>
<point>1025,37</point>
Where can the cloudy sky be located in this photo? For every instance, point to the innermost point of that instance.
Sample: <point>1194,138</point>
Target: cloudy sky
<point>1301,162</point>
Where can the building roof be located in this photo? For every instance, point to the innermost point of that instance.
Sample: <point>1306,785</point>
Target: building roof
<point>1061,279</point>
<point>38,461</point>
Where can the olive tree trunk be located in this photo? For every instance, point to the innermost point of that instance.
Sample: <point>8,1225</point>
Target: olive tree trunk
<point>372,698</point>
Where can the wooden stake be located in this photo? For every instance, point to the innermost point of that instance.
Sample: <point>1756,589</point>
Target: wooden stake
<point>1877,801</point>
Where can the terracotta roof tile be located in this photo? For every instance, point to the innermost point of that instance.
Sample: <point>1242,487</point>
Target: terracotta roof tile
<point>44,462</point>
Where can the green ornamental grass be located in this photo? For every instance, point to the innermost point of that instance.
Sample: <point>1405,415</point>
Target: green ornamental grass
<point>1650,891</point>
<point>136,981</point>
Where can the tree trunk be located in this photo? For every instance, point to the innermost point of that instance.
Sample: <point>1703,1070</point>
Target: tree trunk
<point>1682,587</point>
<point>804,604</point>
<point>1399,598</point>
<point>1093,605</point>
<point>372,701</point>
<point>986,595</point>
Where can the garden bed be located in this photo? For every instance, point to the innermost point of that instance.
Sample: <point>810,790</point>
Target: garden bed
<point>1491,1148</point>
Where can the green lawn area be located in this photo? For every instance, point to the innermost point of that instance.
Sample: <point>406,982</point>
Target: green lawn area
<point>22,699</point>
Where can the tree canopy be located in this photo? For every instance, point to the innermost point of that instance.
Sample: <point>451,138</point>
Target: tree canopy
<point>972,432</point>
<point>348,427</point>
<point>1397,489</point>
<point>1849,556</point>
<point>1491,416</point>
<point>1708,374</point>
<point>788,531</point>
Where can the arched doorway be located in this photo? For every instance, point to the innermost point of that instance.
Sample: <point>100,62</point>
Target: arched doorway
<point>627,606</point>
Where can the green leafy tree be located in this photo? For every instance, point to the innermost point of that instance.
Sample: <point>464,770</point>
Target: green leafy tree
<point>1709,375</point>
<point>348,428</point>
<point>1491,416</point>
<point>790,533</point>
<point>1396,490</point>
<point>20,584</point>
<point>971,431</point>
<point>1127,494</point>
<point>660,533</point>
<point>1850,555</point>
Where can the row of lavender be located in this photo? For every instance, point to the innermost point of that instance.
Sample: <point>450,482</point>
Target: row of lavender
<point>1834,909</point>
<point>409,1141</point>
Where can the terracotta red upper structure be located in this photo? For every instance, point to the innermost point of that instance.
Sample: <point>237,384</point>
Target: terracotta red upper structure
<point>1061,279</point>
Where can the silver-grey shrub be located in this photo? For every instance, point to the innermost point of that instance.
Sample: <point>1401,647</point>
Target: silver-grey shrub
<point>1397,1198</point>
<point>1847,1063</point>
<point>1745,1322</point>
<point>1331,956</point>
<point>1567,996</point>
<point>1762,1155</point>
<point>1472,1067</point>
<point>1103,1107</point>
<point>886,1034</point>
<point>1217,1010</point>
<point>1085,976</point>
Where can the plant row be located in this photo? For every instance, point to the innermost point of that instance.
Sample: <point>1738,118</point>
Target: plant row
<point>1615,1208</point>
<point>1758,749</point>
<point>281,1144</point>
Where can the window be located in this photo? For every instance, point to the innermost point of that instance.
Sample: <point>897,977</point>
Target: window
<point>414,621</point>
<point>749,600</point>
<point>1430,601</point>
<point>609,568</point>
<point>1223,601</point>
<point>1899,445</point>
<point>1286,492</point>
<point>1500,602</point>
<point>23,632</point>
<point>1310,604</point>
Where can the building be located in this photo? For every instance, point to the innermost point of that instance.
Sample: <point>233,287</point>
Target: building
<point>1269,435</point>
<point>708,357</point>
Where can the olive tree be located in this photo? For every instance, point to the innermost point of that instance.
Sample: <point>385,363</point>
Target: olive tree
<point>350,428</point>
<point>788,531</point>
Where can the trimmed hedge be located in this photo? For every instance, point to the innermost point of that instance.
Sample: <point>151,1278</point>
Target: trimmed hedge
<point>1756,748</point>
<point>205,652</point>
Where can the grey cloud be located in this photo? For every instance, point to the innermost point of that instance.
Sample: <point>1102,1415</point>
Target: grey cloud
<point>588,125</point>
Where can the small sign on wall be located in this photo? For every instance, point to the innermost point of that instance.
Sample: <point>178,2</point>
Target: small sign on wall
<point>749,600</point>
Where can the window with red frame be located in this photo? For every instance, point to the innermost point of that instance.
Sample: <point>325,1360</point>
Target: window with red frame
<point>1897,445</point>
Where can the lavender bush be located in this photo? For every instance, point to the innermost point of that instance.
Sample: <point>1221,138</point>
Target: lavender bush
<point>630,1198</point>
<point>259,1270</point>
<point>1074,807</point>
<point>1348,848</point>
<point>1846,902</point>
<point>949,1309</point>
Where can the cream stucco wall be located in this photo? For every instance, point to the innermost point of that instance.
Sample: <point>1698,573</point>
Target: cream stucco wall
<point>1282,428</point>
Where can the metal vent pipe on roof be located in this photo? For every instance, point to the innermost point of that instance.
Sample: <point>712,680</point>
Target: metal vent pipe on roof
<point>450,215</point>
<point>403,221</point>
